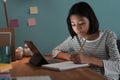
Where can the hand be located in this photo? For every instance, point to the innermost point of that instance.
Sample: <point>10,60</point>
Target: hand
<point>81,58</point>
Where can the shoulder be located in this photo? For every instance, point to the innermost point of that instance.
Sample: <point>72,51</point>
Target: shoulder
<point>70,39</point>
<point>109,33</point>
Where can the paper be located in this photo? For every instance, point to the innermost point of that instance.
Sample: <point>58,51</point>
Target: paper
<point>14,23</point>
<point>31,22</point>
<point>34,10</point>
<point>33,78</point>
<point>63,66</point>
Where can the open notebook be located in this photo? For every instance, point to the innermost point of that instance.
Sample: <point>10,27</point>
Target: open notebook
<point>66,65</point>
<point>38,60</point>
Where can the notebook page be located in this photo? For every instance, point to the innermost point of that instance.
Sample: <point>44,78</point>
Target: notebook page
<point>63,65</point>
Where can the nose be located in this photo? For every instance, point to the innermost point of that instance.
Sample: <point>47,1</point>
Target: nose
<point>78,26</point>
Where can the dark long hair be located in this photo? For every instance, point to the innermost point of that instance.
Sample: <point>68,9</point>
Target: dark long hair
<point>85,10</point>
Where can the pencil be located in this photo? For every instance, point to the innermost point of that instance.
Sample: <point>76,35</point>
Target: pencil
<point>82,46</point>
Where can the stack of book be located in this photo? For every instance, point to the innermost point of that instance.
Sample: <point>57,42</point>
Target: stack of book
<point>5,76</point>
<point>5,71</point>
<point>5,67</point>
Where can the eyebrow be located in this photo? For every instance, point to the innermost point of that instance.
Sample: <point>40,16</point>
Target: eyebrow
<point>77,20</point>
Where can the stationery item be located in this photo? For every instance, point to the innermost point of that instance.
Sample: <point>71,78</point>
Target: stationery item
<point>81,44</point>
<point>5,76</point>
<point>33,78</point>
<point>66,65</point>
<point>14,23</point>
<point>5,67</point>
<point>34,10</point>
<point>31,21</point>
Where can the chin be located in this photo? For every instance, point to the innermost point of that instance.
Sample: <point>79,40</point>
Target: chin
<point>80,35</point>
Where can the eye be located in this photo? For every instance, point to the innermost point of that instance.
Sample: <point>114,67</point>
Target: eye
<point>80,22</point>
<point>73,24</point>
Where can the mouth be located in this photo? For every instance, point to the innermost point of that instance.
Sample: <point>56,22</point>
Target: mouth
<point>81,33</point>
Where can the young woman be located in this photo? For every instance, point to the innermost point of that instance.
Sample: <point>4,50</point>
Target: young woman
<point>88,44</point>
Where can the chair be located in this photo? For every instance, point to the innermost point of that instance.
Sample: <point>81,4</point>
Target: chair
<point>118,44</point>
<point>7,37</point>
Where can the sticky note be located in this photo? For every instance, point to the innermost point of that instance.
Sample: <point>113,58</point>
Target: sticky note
<point>14,23</point>
<point>31,22</point>
<point>34,10</point>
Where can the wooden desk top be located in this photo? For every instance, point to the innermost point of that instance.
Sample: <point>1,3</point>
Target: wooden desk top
<point>23,68</point>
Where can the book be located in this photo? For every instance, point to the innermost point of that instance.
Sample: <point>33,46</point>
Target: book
<point>32,78</point>
<point>61,66</point>
<point>5,76</point>
<point>5,67</point>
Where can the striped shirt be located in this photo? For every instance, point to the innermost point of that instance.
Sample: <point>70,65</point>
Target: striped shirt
<point>104,47</point>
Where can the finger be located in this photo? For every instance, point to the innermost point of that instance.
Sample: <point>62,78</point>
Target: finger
<point>75,54</point>
<point>73,57</point>
<point>77,60</point>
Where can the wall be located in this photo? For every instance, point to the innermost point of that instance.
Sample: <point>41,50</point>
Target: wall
<point>51,28</point>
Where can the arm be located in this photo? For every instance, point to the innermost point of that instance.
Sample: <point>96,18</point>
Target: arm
<point>112,66</point>
<point>63,55</point>
<point>112,52</point>
<point>62,50</point>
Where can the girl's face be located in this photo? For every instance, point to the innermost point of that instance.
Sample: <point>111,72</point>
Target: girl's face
<point>80,25</point>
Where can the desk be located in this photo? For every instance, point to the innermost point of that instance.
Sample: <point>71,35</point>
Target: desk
<point>22,68</point>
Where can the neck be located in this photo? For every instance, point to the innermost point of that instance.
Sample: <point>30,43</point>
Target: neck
<point>92,36</point>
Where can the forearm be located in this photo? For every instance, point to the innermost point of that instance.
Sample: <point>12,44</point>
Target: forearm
<point>96,62</point>
<point>63,55</point>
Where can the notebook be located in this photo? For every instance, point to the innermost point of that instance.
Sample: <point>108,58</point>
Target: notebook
<point>62,66</point>
<point>38,60</point>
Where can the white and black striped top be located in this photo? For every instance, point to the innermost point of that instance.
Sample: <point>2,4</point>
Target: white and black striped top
<point>104,47</point>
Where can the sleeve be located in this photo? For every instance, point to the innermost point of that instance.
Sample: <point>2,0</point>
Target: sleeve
<point>112,65</point>
<point>63,47</point>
